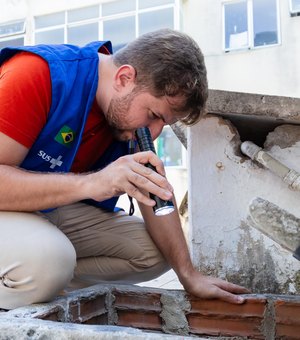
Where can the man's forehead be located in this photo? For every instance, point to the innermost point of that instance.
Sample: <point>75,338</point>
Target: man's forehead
<point>176,101</point>
<point>178,107</point>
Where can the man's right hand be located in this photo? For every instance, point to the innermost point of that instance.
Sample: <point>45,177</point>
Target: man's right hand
<point>128,174</point>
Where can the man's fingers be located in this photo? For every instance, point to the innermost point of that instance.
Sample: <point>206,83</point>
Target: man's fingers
<point>134,192</point>
<point>227,291</point>
<point>137,186</point>
<point>233,288</point>
<point>150,181</point>
<point>231,298</point>
<point>150,157</point>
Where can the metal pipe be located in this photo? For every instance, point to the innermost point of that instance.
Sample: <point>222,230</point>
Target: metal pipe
<point>256,153</point>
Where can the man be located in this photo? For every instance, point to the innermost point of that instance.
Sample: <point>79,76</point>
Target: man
<point>66,115</point>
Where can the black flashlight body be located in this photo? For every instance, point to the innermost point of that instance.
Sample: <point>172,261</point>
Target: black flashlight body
<point>143,137</point>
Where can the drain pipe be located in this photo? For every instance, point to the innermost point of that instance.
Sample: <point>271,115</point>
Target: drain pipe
<point>256,153</point>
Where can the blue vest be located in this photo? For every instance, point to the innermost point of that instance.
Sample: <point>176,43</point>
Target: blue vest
<point>74,81</point>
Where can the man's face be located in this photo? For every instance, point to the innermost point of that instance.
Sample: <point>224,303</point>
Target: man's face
<point>138,109</point>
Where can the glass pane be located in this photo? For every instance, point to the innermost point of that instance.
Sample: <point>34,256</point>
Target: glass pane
<point>295,5</point>
<point>50,37</point>
<point>50,20</point>
<point>13,42</point>
<point>152,3</point>
<point>155,20</point>
<point>119,31</point>
<point>169,148</point>
<point>265,22</point>
<point>116,7</point>
<point>83,13</point>
<point>12,28</point>
<point>236,25</point>
<point>81,35</point>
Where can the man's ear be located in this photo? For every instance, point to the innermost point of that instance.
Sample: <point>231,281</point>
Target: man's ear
<point>124,77</point>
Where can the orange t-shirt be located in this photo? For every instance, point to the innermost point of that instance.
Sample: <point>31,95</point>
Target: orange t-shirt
<point>25,101</point>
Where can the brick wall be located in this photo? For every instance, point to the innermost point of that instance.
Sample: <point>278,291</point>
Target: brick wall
<point>173,312</point>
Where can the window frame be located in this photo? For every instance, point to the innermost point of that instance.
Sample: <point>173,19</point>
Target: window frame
<point>293,12</point>
<point>101,18</point>
<point>20,34</point>
<point>250,27</point>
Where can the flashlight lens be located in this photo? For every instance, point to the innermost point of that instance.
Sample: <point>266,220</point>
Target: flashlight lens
<point>164,210</point>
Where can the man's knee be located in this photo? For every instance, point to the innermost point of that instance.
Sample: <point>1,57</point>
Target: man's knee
<point>150,263</point>
<point>37,260</point>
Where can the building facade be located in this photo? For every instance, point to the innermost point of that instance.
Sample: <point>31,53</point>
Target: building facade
<point>249,45</point>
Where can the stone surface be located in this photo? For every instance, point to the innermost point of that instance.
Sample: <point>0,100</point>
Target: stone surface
<point>276,223</point>
<point>283,109</point>
<point>23,329</point>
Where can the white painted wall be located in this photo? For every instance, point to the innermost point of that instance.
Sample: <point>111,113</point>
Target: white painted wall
<point>268,70</point>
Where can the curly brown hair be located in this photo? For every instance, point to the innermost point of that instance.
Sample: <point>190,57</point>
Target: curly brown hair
<point>169,63</point>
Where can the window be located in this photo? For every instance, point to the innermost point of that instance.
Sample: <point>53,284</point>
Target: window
<point>78,26</point>
<point>169,149</point>
<point>250,24</point>
<point>295,7</point>
<point>119,21</point>
<point>12,33</point>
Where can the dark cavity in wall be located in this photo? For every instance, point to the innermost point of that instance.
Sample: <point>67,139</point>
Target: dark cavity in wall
<point>254,128</point>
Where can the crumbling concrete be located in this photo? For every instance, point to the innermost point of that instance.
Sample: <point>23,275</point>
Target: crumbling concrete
<point>225,182</point>
<point>175,322</point>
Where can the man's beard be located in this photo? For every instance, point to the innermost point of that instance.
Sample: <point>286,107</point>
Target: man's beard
<point>117,116</point>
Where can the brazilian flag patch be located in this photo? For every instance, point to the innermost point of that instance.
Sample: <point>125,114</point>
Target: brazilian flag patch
<point>65,136</point>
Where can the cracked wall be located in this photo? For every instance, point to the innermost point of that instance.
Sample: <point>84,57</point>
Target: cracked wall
<point>223,241</point>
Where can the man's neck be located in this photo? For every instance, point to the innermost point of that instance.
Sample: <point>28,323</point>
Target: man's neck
<point>106,71</point>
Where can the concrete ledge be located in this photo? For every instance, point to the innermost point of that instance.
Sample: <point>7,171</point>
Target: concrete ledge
<point>18,329</point>
<point>285,109</point>
<point>246,109</point>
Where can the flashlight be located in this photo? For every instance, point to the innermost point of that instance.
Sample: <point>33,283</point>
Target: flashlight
<point>143,136</point>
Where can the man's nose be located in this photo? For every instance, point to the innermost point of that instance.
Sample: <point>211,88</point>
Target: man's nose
<point>156,128</point>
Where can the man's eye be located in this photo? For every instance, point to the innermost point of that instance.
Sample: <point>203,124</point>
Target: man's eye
<point>155,116</point>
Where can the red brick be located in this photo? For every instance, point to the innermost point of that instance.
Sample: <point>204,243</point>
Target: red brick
<point>202,325</point>
<point>74,311</point>
<point>216,317</point>
<point>287,315</point>
<point>84,309</point>
<point>98,320</point>
<point>54,314</point>
<point>288,332</point>
<point>92,306</point>
<point>287,312</point>
<point>252,307</point>
<point>139,319</point>
<point>137,300</point>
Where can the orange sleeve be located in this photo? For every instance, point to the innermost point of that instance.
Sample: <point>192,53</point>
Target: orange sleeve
<point>25,97</point>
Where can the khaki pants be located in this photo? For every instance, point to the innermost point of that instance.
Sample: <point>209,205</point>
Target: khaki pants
<point>39,252</point>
